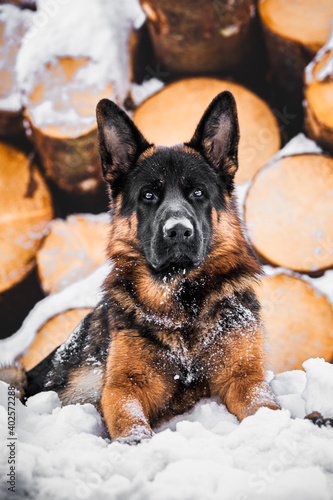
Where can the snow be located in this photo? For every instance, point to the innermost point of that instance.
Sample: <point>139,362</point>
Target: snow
<point>148,87</point>
<point>15,23</point>
<point>318,392</point>
<point>96,35</point>
<point>80,28</point>
<point>300,144</point>
<point>64,452</point>
<point>11,103</point>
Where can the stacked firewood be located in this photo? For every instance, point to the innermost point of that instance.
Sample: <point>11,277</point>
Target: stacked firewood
<point>274,56</point>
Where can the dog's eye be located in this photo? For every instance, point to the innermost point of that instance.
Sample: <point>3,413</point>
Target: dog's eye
<point>197,193</point>
<point>148,195</point>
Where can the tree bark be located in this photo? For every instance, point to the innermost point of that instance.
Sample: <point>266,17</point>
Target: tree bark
<point>73,163</point>
<point>318,104</point>
<point>200,37</point>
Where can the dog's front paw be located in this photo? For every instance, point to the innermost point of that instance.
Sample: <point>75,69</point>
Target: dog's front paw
<point>135,436</point>
<point>319,420</point>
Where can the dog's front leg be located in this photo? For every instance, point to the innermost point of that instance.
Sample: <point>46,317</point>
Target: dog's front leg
<point>125,413</point>
<point>237,374</point>
<point>244,395</point>
<point>134,389</point>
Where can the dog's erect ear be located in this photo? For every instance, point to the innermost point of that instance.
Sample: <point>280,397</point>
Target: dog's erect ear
<point>120,142</point>
<point>217,135</point>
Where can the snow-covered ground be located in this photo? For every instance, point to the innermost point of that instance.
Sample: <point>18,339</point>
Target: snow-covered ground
<point>62,453</point>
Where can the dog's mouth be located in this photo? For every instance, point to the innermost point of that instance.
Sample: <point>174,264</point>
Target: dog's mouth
<point>179,260</point>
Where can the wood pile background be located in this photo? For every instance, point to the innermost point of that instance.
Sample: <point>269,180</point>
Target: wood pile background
<point>51,184</point>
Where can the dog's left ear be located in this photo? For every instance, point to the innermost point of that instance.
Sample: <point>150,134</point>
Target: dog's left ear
<point>120,141</point>
<point>217,135</point>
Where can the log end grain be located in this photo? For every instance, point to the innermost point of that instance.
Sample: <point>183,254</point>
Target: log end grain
<point>288,213</point>
<point>298,320</point>
<point>302,21</point>
<point>71,250</point>
<point>24,216</point>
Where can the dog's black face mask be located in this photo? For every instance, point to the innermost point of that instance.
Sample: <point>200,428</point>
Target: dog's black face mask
<point>175,192</point>
<point>171,190</point>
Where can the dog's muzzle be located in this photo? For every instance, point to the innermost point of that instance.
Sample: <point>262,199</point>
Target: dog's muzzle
<point>177,243</point>
<point>178,230</point>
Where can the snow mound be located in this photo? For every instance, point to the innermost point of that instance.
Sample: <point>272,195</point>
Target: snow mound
<point>318,392</point>
<point>64,453</point>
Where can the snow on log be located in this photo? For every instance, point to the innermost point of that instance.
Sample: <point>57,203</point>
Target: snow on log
<point>199,36</point>
<point>51,335</point>
<point>171,116</point>
<point>13,25</point>
<point>318,101</point>
<point>75,53</point>
<point>288,212</point>
<point>71,250</point>
<point>25,211</point>
<point>298,320</point>
<point>61,115</point>
<point>294,31</point>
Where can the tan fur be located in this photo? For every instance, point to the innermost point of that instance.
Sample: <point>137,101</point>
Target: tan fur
<point>14,375</point>
<point>135,388</point>
<point>85,385</point>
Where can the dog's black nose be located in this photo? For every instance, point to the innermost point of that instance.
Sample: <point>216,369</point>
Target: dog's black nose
<point>178,229</point>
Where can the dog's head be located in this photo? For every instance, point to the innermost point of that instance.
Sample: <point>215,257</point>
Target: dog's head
<point>171,191</point>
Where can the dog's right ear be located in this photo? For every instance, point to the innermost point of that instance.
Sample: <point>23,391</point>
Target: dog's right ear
<point>120,141</point>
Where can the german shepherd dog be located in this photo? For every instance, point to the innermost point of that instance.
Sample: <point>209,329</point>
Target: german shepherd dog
<point>179,320</point>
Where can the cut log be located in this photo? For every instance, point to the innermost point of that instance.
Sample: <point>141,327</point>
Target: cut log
<point>200,37</point>
<point>25,211</point>
<point>294,31</point>
<point>71,250</point>
<point>171,116</point>
<point>52,335</point>
<point>289,213</point>
<point>13,25</point>
<point>319,102</point>
<point>298,320</point>
<point>61,114</point>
